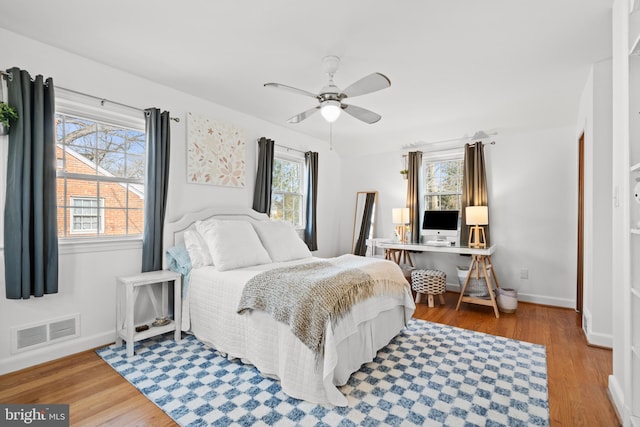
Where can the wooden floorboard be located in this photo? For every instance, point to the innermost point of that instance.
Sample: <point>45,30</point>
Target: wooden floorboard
<point>577,373</point>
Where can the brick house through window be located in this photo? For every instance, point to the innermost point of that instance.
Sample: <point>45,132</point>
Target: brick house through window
<point>118,206</point>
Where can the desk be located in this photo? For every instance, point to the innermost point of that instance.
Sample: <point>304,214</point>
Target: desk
<point>480,266</point>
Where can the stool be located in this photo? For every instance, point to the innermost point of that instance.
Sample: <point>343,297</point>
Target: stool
<point>430,282</point>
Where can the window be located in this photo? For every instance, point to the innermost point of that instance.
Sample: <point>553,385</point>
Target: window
<point>100,173</point>
<point>287,190</point>
<point>85,216</point>
<point>443,182</point>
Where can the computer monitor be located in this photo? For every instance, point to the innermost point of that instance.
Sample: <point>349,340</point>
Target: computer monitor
<point>440,225</point>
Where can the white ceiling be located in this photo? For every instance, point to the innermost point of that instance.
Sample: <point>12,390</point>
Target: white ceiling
<point>456,66</point>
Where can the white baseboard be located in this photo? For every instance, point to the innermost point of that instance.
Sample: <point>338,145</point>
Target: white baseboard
<point>536,299</point>
<point>595,338</point>
<point>599,340</point>
<point>546,300</point>
<point>55,351</point>
<point>617,398</point>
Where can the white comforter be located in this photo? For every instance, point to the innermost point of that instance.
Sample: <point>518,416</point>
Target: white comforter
<point>256,338</point>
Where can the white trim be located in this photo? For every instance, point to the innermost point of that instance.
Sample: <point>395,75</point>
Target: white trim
<point>531,298</point>
<point>617,398</point>
<point>594,338</point>
<point>88,107</point>
<point>79,245</point>
<point>600,340</point>
<point>298,159</point>
<point>546,300</point>
<point>55,351</point>
<point>441,155</point>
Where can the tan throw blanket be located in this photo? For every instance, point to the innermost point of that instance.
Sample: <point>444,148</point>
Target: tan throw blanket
<point>307,296</point>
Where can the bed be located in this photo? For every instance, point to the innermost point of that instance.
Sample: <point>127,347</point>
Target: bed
<point>214,293</point>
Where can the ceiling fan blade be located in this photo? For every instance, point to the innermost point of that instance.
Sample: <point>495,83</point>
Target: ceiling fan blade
<point>371,83</point>
<point>300,117</point>
<point>291,89</point>
<point>361,113</point>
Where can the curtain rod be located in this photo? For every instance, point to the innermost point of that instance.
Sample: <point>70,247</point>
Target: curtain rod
<point>290,149</point>
<point>434,144</point>
<point>102,100</point>
<point>478,137</point>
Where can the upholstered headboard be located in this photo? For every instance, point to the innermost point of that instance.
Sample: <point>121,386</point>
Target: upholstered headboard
<point>174,231</point>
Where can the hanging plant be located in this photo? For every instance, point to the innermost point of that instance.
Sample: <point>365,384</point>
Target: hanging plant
<point>405,173</point>
<point>7,115</point>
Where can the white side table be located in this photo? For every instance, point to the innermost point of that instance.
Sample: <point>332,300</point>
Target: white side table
<point>128,288</point>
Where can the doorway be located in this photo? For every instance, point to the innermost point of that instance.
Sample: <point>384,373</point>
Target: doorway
<point>580,255</point>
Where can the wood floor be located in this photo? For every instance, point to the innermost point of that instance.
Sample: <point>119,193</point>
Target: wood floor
<point>577,373</point>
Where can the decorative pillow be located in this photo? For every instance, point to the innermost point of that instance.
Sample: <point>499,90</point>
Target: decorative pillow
<point>178,259</point>
<point>281,240</point>
<point>234,244</point>
<point>197,248</point>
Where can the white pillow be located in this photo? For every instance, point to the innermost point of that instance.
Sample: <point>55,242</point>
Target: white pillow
<point>197,249</point>
<point>281,240</point>
<point>234,244</point>
<point>203,226</point>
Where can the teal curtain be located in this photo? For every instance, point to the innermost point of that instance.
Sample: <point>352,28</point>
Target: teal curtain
<point>30,219</point>
<point>158,141</point>
<point>310,230</point>
<point>262,190</point>
<point>414,194</point>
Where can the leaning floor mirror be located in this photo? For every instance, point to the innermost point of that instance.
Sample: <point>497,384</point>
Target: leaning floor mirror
<point>363,221</point>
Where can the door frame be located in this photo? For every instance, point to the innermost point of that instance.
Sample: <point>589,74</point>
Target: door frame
<point>580,242</point>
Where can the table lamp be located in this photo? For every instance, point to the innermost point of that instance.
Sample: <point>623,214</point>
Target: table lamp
<point>477,216</point>
<point>400,218</point>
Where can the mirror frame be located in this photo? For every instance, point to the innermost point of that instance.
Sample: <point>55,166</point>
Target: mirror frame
<point>361,197</point>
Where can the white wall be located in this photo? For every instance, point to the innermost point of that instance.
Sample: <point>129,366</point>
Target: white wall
<point>620,380</point>
<point>532,180</point>
<point>87,272</point>
<point>595,120</point>
<point>533,192</point>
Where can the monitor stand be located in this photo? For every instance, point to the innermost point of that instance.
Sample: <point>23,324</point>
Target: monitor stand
<point>438,241</point>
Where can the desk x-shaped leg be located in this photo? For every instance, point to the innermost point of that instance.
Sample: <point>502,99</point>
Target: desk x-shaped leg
<point>480,267</point>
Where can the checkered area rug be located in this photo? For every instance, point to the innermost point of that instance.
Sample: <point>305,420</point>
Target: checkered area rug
<point>429,375</point>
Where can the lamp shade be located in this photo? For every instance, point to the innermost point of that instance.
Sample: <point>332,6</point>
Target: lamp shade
<point>477,215</point>
<point>400,215</point>
<point>330,110</point>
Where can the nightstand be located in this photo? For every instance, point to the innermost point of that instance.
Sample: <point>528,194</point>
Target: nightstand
<point>128,288</point>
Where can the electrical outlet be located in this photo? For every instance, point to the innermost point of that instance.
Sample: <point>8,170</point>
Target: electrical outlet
<point>524,273</point>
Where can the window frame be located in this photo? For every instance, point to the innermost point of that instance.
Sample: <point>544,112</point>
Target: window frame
<point>287,156</point>
<point>438,157</point>
<point>100,218</point>
<point>102,113</point>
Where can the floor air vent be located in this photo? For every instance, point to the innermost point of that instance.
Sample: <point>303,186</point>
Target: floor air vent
<point>39,334</point>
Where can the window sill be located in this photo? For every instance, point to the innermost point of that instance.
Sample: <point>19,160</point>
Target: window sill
<point>81,246</point>
<point>85,245</point>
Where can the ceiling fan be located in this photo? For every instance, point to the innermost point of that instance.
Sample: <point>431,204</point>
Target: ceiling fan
<point>330,96</point>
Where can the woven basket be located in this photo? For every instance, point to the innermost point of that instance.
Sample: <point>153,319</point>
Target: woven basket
<point>475,287</point>
<point>430,282</point>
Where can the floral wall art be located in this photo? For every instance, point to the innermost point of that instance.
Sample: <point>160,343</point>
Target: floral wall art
<point>215,152</point>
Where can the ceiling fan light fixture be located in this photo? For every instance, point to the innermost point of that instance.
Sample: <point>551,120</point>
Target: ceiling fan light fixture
<point>330,110</point>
